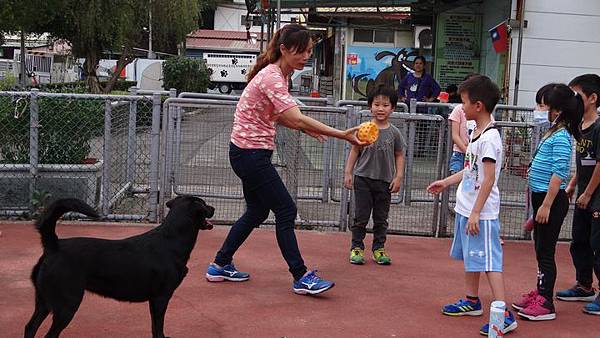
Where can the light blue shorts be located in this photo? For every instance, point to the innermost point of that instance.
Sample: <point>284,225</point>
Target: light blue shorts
<point>480,253</point>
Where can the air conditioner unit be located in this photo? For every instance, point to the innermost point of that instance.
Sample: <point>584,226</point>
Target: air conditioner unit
<point>423,37</point>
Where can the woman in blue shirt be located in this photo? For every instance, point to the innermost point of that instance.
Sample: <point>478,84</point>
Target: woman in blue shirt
<point>418,85</point>
<point>548,175</point>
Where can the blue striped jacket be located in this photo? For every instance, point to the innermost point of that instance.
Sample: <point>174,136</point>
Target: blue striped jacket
<point>553,156</point>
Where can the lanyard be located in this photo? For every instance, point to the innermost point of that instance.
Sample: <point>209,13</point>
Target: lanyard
<point>470,145</point>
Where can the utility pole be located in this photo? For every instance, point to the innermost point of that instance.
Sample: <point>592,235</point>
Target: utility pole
<point>150,52</point>
<point>23,78</point>
<point>519,49</point>
<point>278,14</point>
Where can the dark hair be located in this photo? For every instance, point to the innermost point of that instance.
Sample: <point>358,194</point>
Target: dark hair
<point>293,36</point>
<point>385,91</point>
<point>452,88</point>
<point>589,84</point>
<point>561,98</point>
<point>540,93</point>
<point>422,58</point>
<point>470,75</point>
<point>481,88</point>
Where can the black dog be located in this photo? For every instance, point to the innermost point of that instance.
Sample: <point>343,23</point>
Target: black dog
<point>146,267</point>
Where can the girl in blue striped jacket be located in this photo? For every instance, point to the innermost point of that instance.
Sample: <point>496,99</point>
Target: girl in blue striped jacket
<point>548,176</point>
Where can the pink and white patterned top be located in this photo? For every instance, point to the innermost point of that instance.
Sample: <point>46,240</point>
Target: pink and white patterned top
<point>265,97</point>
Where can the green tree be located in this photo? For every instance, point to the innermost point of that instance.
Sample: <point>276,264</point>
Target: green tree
<point>96,26</point>
<point>93,27</point>
<point>25,17</point>
<point>186,74</point>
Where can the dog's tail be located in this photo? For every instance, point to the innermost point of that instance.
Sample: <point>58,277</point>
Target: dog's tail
<point>46,224</point>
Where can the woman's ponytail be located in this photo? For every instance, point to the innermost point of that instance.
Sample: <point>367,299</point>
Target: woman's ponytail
<point>294,37</point>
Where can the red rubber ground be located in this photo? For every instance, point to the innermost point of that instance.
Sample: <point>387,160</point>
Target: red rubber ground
<point>401,300</point>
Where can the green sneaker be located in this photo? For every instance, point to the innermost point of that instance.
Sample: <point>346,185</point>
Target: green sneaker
<point>357,256</point>
<point>381,257</point>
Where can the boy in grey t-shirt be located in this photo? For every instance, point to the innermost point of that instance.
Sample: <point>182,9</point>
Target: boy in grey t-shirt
<point>375,172</point>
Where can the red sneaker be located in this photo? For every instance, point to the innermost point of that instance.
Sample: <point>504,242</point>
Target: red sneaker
<point>539,309</point>
<point>526,300</point>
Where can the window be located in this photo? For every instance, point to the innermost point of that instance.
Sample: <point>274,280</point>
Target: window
<point>373,36</point>
<point>256,20</point>
<point>384,36</point>
<point>363,35</point>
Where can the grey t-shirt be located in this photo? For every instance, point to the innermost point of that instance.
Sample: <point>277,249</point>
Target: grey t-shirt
<point>378,160</point>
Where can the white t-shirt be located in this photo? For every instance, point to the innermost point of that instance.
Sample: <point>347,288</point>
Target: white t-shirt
<point>486,145</point>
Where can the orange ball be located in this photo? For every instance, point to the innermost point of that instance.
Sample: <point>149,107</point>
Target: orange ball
<point>368,132</point>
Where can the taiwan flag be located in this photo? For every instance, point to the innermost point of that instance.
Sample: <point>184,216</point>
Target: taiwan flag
<point>499,36</point>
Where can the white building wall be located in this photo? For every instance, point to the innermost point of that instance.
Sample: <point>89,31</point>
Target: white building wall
<point>229,18</point>
<point>561,41</point>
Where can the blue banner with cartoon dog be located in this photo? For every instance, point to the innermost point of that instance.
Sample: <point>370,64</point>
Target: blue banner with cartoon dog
<point>366,66</point>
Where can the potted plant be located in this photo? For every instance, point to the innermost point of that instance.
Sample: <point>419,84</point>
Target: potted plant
<point>66,130</point>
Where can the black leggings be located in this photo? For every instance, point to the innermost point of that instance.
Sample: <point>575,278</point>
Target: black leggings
<point>264,191</point>
<point>545,237</point>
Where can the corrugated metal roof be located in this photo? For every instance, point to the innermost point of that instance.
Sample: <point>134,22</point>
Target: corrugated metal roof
<point>216,34</point>
<point>341,3</point>
<point>222,40</point>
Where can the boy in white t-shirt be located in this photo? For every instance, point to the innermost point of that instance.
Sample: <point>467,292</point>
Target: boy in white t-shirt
<point>477,228</point>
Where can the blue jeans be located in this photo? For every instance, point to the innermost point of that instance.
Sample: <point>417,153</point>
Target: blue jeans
<point>263,191</point>
<point>457,162</point>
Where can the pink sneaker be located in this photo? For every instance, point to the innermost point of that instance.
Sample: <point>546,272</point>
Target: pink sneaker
<point>525,300</point>
<point>539,309</point>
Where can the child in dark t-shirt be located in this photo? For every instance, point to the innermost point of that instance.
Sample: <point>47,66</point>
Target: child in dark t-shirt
<point>375,172</point>
<point>585,246</point>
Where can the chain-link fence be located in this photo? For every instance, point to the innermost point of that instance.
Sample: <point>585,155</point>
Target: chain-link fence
<point>127,155</point>
<point>197,162</point>
<point>414,211</point>
<point>91,147</point>
<point>15,138</point>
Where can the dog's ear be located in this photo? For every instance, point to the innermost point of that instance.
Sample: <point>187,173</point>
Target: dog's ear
<point>172,201</point>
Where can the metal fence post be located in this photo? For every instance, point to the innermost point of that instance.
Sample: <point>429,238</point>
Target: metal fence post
<point>153,198</point>
<point>173,92</point>
<point>445,205</point>
<point>291,163</point>
<point>410,154</point>
<point>33,145</point>
<point>440,173</point>
<point>131,138</point>
<point>413,106</point>
<point>166,187</point>
<point>346,207</point>
<point>327,164</point>
<point>107,153</point>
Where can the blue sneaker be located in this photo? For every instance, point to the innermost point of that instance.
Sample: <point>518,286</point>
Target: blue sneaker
<point>463,307</point>
<point>311,284</point>
<point>593,308</point>
<point>577,294</point>
<point>228,272</point>
<point>510,323</point>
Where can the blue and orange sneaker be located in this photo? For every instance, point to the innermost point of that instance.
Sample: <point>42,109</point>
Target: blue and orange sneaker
<point>578,293</point>
<point>463,307</point>
<point>216,274</point>
<point>311,284</point>
<point>593,308</point>
<point>510,323</point>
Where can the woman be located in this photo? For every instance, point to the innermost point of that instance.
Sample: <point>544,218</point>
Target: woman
<point>418,85</point>
<point>264,102</point>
